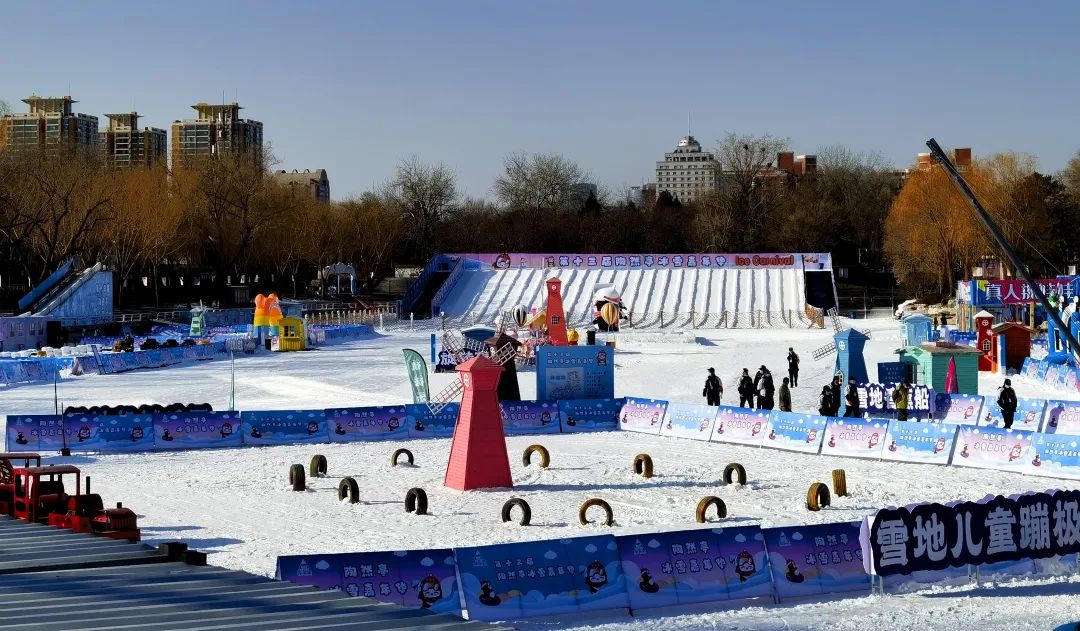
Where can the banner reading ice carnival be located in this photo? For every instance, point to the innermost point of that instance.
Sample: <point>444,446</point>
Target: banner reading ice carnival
<point>1055,455</point>
<point>861,438</point>
<point>371,423</point>
<point>1061,417</point>
<point>642,415</point>
<point>910,441</point>
<point>283,427</point>
<point>743,426</point>
<point>795,432</point>
<point>684,420</point>
<point>621,261</point>
<point>589,415</point>
<point>992,448</point>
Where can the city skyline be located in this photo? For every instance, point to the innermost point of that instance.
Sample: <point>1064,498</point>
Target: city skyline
<point>467,84</point>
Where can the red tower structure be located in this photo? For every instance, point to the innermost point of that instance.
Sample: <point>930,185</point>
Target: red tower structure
<point>556,318</point>
<point>478,458</point>
<point>984,340</point>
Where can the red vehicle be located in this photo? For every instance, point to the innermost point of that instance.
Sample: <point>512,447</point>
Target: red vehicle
<point>7,482</point>
<point>51,495</point>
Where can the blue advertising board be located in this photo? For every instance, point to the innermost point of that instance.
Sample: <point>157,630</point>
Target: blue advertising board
<point>1055,455</point>
<point>911,441</point>
<point>812,560</point>
<point>642,415</point>
<point>1028,415</point>
<point>35,432</point>
<point>530,417</point>
<point>428,425</point>
<point>371,423</point>
<point>283,427</point>
<point>109,433</point>
<point>958,408</point>
<point>795,432</point>
<point>575,372</point>
<point>589,415</point>
<point>684,420</point>
<point>195,430</point>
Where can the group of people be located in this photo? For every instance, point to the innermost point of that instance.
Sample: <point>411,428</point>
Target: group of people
<point>829,400</point>
<point>760,391</point>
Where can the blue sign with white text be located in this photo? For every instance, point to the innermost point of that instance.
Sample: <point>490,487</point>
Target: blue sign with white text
<point>589,415</point>
<point>575,372</point>
<point>283,427</point>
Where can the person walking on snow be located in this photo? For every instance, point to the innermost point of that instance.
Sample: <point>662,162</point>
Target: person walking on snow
<point>746,390</point>
<point>825,401</point>
<point>714,388</point>
<point>1007,402</point>
<point>766,390</point>
<point>900,398</point>
<point>834,395</point>
<point>852,400</point>
<point>785,396</point>
<point>793,367</point>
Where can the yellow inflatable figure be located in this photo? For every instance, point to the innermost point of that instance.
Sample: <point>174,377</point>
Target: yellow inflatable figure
<point>261,312</point>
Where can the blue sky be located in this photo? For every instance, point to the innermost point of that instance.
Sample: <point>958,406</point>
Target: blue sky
<point>354,87</point>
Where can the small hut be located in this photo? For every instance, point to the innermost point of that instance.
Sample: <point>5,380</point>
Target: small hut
<point>915,329</point>
<point>1017,344</point>
<point>930,363</point>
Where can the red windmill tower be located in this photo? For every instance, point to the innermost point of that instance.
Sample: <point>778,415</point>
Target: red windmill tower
<point>556,319</point>
<point>478,457</point>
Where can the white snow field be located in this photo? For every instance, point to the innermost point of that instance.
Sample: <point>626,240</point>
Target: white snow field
<point>483,295</point>
<point>236,504</point>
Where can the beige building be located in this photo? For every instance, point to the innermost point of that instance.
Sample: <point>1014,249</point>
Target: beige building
<point>687,173</point>
<point>50,122</point>
<point>125,145</point>
<point>314,184</point>
<point>215,129</point>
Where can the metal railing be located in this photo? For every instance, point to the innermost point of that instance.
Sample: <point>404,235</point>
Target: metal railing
<point>651,320</point>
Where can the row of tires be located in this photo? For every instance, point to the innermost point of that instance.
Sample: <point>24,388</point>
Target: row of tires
<point>643,464</point>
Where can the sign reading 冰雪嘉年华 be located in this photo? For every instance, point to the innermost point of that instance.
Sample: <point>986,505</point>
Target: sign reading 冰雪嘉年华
<point>521,260</point>
<point>575,372</point>
<point>937,536</point>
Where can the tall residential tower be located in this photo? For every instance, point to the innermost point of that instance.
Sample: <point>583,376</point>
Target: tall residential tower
<point>125,145</point>
<point>215,129</point>
<point>687,173</point>
<point>50,122</point>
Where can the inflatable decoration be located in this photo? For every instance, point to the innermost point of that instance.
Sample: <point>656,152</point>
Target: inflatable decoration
<point>608,319</point>
<point>521,315</point>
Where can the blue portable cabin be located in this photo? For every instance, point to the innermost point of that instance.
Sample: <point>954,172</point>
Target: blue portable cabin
<point>916,329</point>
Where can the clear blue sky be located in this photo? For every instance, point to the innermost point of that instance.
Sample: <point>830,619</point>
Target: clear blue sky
<point>353,87</point>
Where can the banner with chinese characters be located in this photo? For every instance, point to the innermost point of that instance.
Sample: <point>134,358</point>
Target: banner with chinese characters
<point>542,578</point>
<point>283,427</point>
<point>684,420</point>
<point>909,441</point>
<point>1055,456</point>
<point>525,260</point>
<point>1062,417</point>
<point>35,432</point>
<point>417,579</point>
<point>372,423</point>
<point>958,408</point>
<point>1028,415</point>
<point>694,566</point>
<point>794,432</point>
<point>642,415</point>
<point>196,430</point>
<point>816,559</point>
<point>928,537</point>
<point>428,425</point>
<point>418,377</point>
<point>589,415</point>
<point>575,372</point>
<point>742,426</point>
<point>860,438</point>
<point>987,293</point>
<point>109,433</point>
<point>876,399</point>
<point>530,417</point>
<point>992,448</point>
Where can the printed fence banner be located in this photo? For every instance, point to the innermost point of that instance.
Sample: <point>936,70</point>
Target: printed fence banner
<point>589,415</point>
<point>540,578</point>
<point>131,360</point>
<point>795,432</point>
<point>428,425</point>
<point>642,415</point>
<point>1029,413</point>
<point>992,448</point>
<point>688,421</point>
<point>575,372</point>
<point>11,371</point>
<point>694,566</point>
<point>958,408</point>
<point>35,432</point>
<point>417,579</point>
<point>109,433</point>
<point>283,427</point>
<point>1055,455</point>
<point>372,423</point>
<point>909,441</point>
<point>530,417</point>
<point>817,559</point>
<point>929,537</point>
<point>1030,367</point>
<point>1062,417</point>
<point>740,425</point>
<point>875,399</point>
<point>626,261</point>
<point>861,438</point>
<point>193,430</point>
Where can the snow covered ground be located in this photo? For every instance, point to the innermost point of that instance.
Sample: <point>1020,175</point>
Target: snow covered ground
<point>236,505</point>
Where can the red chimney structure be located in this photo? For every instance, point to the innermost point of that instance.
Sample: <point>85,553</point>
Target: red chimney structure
<point>556,318</point>
<point>478,458</point>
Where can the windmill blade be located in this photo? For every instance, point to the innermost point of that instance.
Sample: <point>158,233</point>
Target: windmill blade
<point>825,351</point>
<point>504,354</point>
<point>448,395</point>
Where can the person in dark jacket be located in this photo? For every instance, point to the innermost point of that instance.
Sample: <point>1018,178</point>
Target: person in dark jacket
<point>746,390</point>
<point>825,401</point>
<point>757,377</point>
<point>835,393</point>
<point>766,389</point>
<point>852,400</point>
<point>714,389</point>
<point>793,367</point>
<point>784,396</point>
<point>1007,402</point>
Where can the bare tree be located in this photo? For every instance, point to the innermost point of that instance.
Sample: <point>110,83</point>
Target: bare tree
<point>425,195</point>
<point>1070,177</point>
<point>5,109</point>
<point>742,160</point>
<point>537,183</point>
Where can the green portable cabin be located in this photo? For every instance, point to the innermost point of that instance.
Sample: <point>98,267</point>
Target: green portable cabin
<point>930,364</point>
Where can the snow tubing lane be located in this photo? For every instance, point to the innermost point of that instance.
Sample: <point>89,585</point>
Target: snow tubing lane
<point>416,501</point>
<point>703,507</point>
<point>545,456</point>
<point>317,468</point>
<point>508,507</point>
<point>596,501</point>
<point>643,465</point>
<point>839,482</point>
<point>738,470</point>
<point>348,488</point>
<point>817,497</point>
<point>296,477</point>
<point>399,453</point>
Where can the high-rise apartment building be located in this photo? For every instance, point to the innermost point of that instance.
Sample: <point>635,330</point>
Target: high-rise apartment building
<point>687,173</point>
<point>215,129</point>
<point>50,122</point>
<point>125,145</point>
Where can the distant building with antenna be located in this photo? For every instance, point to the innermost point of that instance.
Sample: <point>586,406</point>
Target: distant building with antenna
<point>215,129</point>
<point>50,122</point>
<point>125,145</point>
<point>687,173</point>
